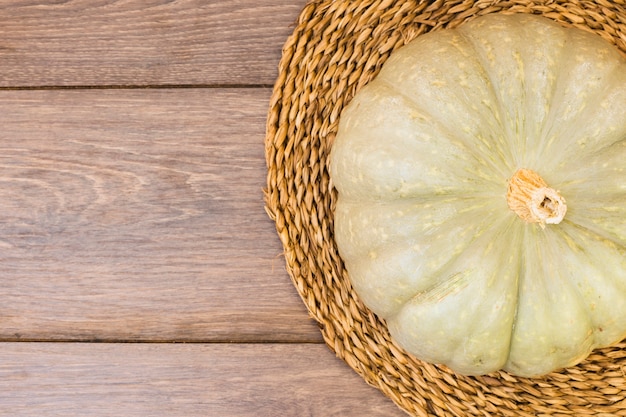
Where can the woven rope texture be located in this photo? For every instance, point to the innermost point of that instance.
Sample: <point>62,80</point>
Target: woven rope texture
<point>335,49</point>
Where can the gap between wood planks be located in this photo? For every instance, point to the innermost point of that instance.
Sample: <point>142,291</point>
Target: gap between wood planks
<point>137,87</point>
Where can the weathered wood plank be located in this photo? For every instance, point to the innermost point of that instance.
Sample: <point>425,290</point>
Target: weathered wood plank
<point>138,215</point>
<point>148,42</point>
<point>256,380</point>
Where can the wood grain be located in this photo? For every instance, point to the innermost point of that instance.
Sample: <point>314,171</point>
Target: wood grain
<point>147,42</point>
<point>132,214</point>
<point>220,380</point>
<point>138,215</point>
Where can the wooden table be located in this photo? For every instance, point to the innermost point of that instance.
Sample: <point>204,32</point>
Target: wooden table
<point>140,275</point>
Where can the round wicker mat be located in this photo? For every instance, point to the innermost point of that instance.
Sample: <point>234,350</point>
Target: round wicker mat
<point>335,49</point>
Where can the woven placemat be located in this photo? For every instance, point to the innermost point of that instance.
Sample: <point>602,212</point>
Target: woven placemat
<point>335,49</point>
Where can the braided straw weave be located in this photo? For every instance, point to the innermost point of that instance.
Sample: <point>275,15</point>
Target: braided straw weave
<point>335,49</point>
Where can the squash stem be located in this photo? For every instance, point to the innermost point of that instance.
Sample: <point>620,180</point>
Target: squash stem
<point>532,200</point>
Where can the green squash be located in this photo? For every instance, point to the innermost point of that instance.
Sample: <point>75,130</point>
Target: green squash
<point>481,183</point>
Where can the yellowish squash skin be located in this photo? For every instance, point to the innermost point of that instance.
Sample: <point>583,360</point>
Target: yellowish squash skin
<point>421,163</point>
